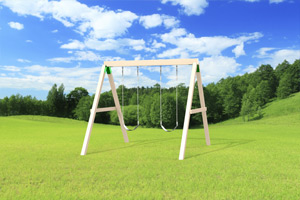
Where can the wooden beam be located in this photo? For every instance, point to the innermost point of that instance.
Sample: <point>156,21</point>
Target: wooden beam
<point>105,109</point>
<point>187,112</point>
<point>134,63</point>
<point>197,110</point>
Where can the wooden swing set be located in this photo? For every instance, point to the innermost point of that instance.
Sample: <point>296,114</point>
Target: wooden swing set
<point>106,69</point>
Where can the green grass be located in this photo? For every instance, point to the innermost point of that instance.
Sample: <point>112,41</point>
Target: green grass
<point>39,159</point>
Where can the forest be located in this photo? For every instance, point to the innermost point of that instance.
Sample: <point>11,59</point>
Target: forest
<point>230,97</point>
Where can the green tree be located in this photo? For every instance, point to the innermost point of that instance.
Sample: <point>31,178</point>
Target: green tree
<point>285,86</point>
<point>73,99</point>
<point>56,101</point>
<point>266,73</point>
<point>250,104</point>
<point>281,68</point>
<point>82,110</point>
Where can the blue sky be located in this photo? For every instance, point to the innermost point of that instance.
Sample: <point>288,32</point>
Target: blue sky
<point>44,42</point>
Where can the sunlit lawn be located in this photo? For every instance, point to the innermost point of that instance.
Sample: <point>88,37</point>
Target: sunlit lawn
<point>40,159</point>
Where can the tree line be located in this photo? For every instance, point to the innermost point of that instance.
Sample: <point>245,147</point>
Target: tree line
<point>228,98</point>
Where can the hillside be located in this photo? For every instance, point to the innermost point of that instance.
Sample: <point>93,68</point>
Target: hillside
<point>278,111</point>
<point>247,160</point>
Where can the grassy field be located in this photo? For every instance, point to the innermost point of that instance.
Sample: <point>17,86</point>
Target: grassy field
<point>253,160</point>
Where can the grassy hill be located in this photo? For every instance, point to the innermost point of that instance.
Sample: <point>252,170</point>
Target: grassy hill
<point>247,160</point>
<point>279,111</point>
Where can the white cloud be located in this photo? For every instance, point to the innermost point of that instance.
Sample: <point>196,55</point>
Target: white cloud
<point>239,50</point>
<point>16,25</point>
<point>10,68</point>
<point>43,77</point>
<point>151,21</point>
<point>78,56</point>
<point>262,52</point>
<point>252,0</point>
<point>216,67</point>
<point>54,31</point>
<point>23,60</point>
<point>74,44</point>
<point>274,57</point>
<point>157,45</point>
<point>28,41</point>
<point>190,7</point>
<point>108,44</point>
<point>276,1</point>
<point>187,43</point>
<point>170,22</point>
<point>95,21</point>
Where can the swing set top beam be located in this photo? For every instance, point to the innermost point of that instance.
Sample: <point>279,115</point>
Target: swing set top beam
<point>134,63</point>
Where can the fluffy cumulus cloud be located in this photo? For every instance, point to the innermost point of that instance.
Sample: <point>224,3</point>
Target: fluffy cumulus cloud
<point>216,67</point>
<point>239,50</point>
<point>189,7</point>
<point>187,44</point>
<point>16,25</point>
<point>95,21</point>
<point>151,21</point>
<point>275,56</point>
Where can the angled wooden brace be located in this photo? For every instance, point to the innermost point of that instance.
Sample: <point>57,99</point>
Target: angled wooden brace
<point>95,108</point>
<point>195,73</point>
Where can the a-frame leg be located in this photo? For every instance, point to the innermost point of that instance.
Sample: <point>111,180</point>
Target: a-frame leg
<point>202,105</point>
<point>187,112</point>
<point>93,112</point>
<point>117,104</point>
<point>95,106</point>
<point>195,73</point>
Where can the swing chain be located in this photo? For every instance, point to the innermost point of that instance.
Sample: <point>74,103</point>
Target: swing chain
<point>137,99</point>
<point>160,103</point>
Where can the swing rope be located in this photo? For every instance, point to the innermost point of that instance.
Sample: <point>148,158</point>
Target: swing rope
<point>160,103</point>
<point>137,100</point>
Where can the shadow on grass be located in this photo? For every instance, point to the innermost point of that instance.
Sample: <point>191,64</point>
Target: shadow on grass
<point>229,143</point>
<point>136,143</point>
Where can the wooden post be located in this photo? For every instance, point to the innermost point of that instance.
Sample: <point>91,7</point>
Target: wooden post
<point>93,112</point>
<point>202,105</point>
<point>187,112</point>
<point>117,104</point>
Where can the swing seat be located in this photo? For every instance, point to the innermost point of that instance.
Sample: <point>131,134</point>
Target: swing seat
<point>127,129</point>
<point>162,126</point>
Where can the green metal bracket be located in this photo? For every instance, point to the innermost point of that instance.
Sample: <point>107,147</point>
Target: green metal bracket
<point>198,68</point>
<point>107,70</point>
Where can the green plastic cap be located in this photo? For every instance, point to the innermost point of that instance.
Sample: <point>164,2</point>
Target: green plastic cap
<point>107,70</point>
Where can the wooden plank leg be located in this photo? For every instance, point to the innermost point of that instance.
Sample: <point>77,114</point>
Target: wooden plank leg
<point>187,113</point>
<point>202,105</point>
<point>118,108</point>
<point>93,112</point>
